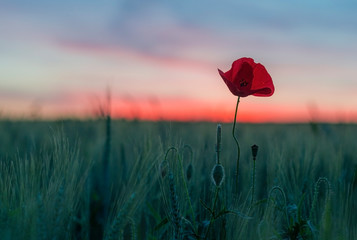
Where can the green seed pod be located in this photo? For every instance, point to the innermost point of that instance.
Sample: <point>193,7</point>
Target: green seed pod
<point>189,172</point>
<point>218,175</point>
<point>254,151</point>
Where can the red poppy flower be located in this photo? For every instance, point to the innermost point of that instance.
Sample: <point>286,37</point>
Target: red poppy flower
<point>248,78</point>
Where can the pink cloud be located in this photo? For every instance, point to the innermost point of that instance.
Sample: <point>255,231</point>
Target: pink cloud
<point>118,52</point>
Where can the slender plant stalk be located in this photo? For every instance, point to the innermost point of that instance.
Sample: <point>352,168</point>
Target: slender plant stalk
<point>188,199</point>
<point>253,183</point>
<point>213,213</point>
<point>237,143</point>
<point>175,208</point>
<point>184,183</point>
<point>316,195</point>
<point>216,181</point>
<point>218,143</point>
<point>105,188</point>
<point>106,176</point>
<point>254,154</point>
<point>279,189</point>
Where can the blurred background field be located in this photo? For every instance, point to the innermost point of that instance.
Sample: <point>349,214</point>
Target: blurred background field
<point>52,177</point>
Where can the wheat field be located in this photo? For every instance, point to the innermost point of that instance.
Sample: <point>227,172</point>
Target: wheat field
<point>116,179</point>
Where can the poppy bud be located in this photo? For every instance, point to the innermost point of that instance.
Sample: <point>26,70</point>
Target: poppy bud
<point>254,151</point>
<point>217,175</point>
<point>189,172</point>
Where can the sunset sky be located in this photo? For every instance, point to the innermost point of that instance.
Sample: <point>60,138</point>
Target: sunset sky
<point>160,58</point>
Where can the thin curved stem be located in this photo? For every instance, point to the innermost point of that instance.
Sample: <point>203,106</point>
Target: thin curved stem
<point>279,189</point>
<point>188,199</point>
<point>181,171</point>
<point>237,143</point>
<point>168,150</point>
<point>213,213</point>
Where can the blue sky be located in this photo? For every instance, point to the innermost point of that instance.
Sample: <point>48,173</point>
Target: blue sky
<point>59,54</point>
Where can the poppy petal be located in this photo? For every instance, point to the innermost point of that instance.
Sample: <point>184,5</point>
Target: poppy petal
<point>262,82</point>
<point>231,86</point>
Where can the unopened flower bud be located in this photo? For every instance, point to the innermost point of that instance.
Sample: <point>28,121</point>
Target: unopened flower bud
<point>189,172</point>
<point>217,175</point>
<point>254,151</point>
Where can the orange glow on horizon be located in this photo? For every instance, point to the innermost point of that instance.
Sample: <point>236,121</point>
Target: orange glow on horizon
<point>174,109</point>
<point>191,110</point>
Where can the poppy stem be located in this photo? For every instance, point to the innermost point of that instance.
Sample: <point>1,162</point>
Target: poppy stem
<point>253,183</point>
<point>238,148</point>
